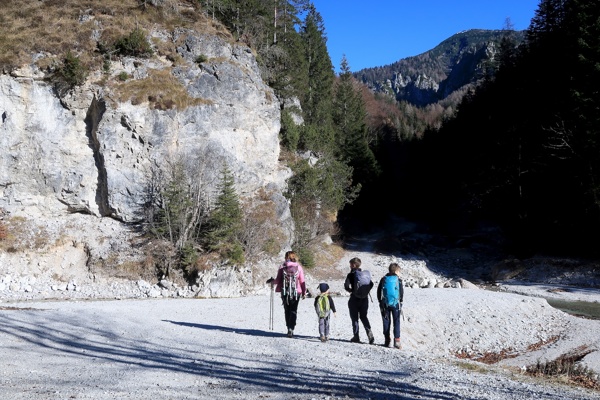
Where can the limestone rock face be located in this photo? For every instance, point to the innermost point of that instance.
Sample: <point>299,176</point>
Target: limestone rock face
<point>92,150</point>
<point>89,154</point>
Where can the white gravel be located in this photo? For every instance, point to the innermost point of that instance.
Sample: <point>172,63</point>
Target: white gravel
<point>224,349</point>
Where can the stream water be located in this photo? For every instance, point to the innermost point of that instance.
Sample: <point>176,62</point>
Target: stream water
<point>578,308</point>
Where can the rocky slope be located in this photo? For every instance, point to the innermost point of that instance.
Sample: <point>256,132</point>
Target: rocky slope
<point>75,168</point>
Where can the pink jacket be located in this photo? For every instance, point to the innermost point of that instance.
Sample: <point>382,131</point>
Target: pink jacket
<point>300,283</point>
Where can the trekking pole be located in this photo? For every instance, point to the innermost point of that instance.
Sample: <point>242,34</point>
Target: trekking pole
<point>271,308</point>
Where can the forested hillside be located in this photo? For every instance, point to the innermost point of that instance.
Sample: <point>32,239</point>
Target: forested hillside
<point>522,151</point>
<point>427,78</point>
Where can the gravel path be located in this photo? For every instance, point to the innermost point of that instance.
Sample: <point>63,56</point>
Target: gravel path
<point>223,348</point>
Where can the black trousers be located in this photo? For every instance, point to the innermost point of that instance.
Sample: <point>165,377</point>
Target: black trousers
<point>290,307</point>
<point>358,310</point>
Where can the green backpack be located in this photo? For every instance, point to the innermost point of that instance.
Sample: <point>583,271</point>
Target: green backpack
<point>323,306</point>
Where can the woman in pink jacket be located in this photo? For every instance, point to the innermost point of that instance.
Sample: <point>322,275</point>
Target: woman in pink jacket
<point>290,283</point>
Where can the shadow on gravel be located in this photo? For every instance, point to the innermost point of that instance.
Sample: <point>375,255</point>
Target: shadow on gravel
<point>63,343</point>
<point>252,332</point>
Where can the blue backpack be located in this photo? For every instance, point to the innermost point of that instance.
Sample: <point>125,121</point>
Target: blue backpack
<point>390,292</point>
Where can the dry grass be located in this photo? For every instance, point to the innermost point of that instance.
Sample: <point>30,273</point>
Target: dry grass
<point>53,27</point>
<point>494,357</point>
<point>488,357</point>
<point>21,234</point>
<point>472,367</point>
<point>542,343</point>
<point>567,369</point>
<point>161,89</point>
<point>261,233</point>
<point>3,231</point>
<point>327,257</point>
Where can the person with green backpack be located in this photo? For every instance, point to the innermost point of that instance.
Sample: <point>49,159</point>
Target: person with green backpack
<point>390,293</point>
<point>324,306</point>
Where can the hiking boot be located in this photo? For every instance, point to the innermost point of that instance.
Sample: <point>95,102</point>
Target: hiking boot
<point>355,339</point>
<point>397,344</point>
<point>371,337</point>
<point>327,338</point>
<point>323,339</point>
<point>290,333</point>
<point>387,341</point>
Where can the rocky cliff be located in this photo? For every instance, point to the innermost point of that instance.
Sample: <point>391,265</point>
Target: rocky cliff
<point>75,167</point>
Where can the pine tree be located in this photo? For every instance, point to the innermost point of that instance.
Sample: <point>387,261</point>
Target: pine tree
<point>349,117</point>
<point>226,220</point>
<point>316,101</point>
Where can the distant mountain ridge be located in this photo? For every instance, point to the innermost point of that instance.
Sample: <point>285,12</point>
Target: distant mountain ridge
<point>432,76</point>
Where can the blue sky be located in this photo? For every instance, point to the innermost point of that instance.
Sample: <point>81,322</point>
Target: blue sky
<point>379,32</point>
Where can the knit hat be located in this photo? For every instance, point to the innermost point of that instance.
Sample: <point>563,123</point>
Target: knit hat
<point>323,287</point>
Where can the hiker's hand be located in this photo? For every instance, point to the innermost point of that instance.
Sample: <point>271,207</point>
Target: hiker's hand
<point>270,280</point>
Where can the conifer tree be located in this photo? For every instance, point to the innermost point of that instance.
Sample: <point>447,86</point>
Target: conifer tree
<point>226,219</point>
<point>349,117</point>
<point>316,101</point>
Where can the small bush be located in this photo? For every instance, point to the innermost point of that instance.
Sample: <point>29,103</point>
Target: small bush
<point>307,258</point>
<point>201,58</point>
<point>72,72</point>
<point>188,257</point>
<point>123,76</point>
<point>135,44</point>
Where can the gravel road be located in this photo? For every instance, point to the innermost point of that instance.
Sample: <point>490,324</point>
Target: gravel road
<point>224,349</point>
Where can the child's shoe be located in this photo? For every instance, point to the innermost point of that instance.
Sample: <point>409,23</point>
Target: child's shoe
<point>397,344</point>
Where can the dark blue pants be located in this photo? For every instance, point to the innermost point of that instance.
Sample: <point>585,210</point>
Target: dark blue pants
<point>290,307</point>
<point>388,314</point>
<point>358,310</point>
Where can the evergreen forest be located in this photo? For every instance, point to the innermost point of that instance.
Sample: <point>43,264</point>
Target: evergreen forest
<point>520,152</point>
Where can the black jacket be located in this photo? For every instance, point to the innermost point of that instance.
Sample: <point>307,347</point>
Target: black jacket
<point>349,282</point>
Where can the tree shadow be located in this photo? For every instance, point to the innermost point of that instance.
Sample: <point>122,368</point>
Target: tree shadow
<point>240,331</point>
<point>83,337</point>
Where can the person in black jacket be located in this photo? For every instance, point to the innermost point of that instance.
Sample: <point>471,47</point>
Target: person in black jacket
<point>390,293</point>
<point>358,304</point>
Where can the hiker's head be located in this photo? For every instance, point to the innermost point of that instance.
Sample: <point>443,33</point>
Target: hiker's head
<point>355,263</point>
<point>394,268</point>
<point>291,256</point>
<point>323,287</point>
